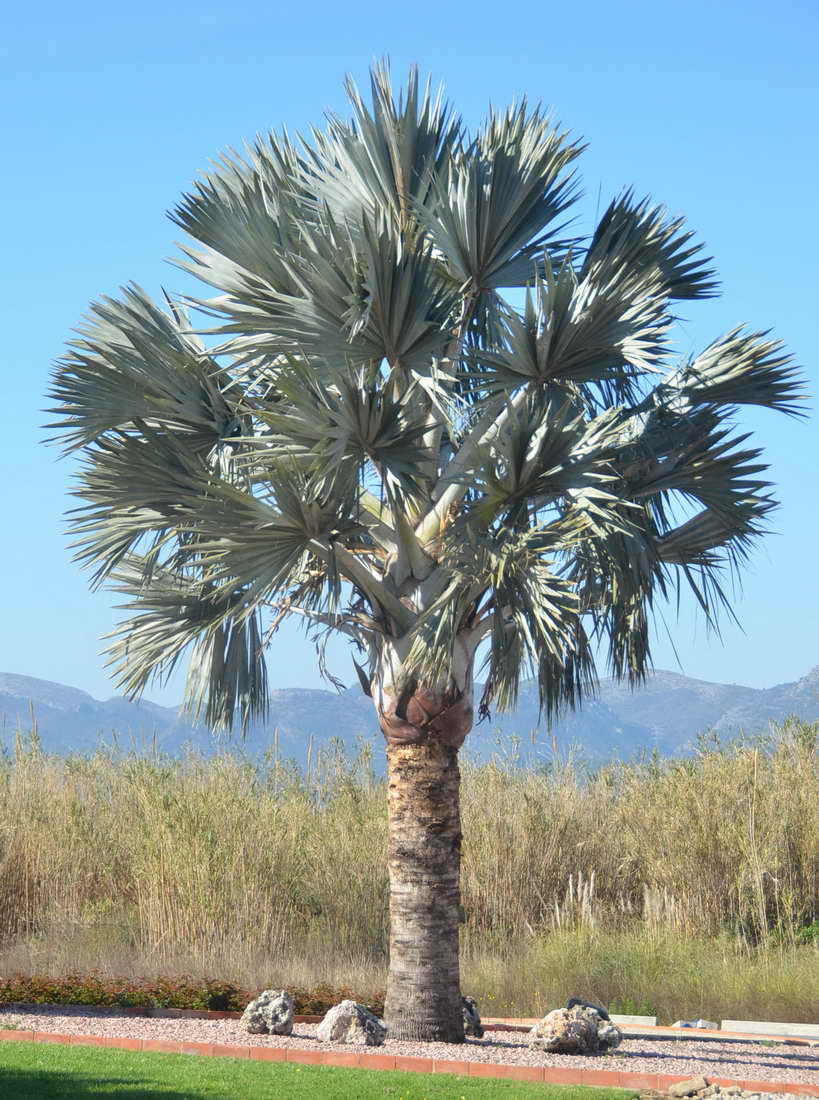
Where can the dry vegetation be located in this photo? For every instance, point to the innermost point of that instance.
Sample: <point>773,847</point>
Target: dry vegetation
<point>676,887</point>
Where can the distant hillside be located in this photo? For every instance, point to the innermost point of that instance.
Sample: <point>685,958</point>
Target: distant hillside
<point>666,713</point>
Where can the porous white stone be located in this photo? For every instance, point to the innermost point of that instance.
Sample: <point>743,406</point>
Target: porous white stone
<point>577,1030</point>
<point>350,1022</point>
<point>270,1014</point>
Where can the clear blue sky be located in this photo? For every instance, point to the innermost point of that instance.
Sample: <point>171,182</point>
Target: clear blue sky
<point>111,110</point>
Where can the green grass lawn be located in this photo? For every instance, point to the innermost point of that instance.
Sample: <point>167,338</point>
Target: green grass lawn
<point>39,1071</point>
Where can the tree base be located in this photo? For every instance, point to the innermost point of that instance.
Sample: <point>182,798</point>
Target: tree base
<point>421,1031</point>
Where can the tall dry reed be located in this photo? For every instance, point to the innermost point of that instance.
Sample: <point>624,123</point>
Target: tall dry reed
<point>252,871</point>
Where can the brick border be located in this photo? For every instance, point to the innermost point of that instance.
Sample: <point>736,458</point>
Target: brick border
<point>550,1075</point>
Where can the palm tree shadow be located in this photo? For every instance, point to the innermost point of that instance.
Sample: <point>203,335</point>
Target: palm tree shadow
<point>57,1085</point>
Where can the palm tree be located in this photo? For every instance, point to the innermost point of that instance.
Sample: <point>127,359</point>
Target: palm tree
<point>381,443</point>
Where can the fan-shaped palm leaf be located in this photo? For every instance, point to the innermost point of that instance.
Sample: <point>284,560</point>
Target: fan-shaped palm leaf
<point>177,612</point>
<point>385,161</point>
<point>494,209</point>
<point>641,237</point>
<point>741,368</point>
<point>134,362</point>
<point>603,329</point>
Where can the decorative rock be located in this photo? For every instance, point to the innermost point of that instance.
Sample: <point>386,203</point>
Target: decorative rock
<point>577,1030</point>
<point>352,1023</point>
<point>688,1088</point>
<point>270,1014</point>
<point>472,1019</point>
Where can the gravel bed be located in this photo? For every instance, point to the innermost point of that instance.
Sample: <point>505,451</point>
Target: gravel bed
<point>738,1061</point>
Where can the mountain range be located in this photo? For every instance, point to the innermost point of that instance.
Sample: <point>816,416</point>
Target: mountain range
<point>666,713</point>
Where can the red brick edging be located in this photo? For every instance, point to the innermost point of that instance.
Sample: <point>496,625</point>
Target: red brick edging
<point>553,1075</point>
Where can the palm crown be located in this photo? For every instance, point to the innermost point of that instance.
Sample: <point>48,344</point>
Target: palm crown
<point>380,443</point>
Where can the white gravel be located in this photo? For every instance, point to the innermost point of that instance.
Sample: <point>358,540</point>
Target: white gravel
<point>737,1061</point>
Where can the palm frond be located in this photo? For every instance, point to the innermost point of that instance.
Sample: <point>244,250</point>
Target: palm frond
<point>605,329</point>
<point>536,628</point>
<point>642,237</point>
<point>174,613</point>
<point>742,368</point>
<point>711,469</point>
<point>227,672</point>
<point>132,361</point>
<point>496,205</point>
<point>530,614</point>
<point>246,212</point>
<point>345,299</point>
<point>133,487</point>
<point>546,450</point>
<point>627,626</point>
<point>618,576</point>
<point>314,309</point>
<point>355,420</point>
<point>386,160</point>
<point>405,303</point>
<point>697,541</point>
<point>271,546</point>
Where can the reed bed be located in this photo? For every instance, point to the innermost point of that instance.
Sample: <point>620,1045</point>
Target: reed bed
<point>686,886</point>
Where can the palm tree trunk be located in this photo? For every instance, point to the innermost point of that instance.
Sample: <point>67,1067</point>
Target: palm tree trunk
<point>423,989</point>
